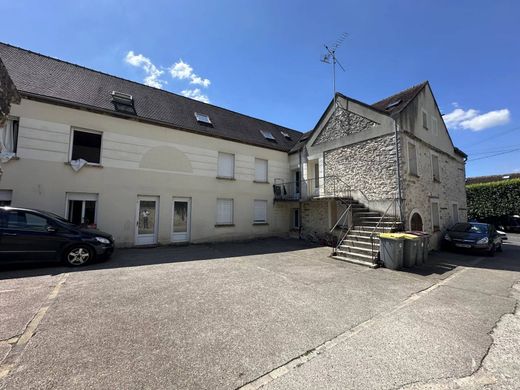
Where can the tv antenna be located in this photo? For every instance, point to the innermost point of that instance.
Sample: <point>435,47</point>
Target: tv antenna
<point>330,58</point>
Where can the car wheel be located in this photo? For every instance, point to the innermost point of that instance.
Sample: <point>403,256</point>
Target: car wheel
<point>78,255</point>
<point>491,251</point>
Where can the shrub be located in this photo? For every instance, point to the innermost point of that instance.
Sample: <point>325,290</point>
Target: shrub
<point>493,199</point>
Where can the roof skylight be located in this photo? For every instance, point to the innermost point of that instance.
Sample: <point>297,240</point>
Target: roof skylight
<point>123,102</point>
<point>268,135</point>
<point>393,104</point>
<point>286,135</point>
<point>203,118</point>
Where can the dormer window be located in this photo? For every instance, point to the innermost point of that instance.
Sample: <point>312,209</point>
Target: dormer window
<point>123,102</point>
<point>202,118</point>
<point>268,135</point>
<point>393,104</point>
<point>286,135</point>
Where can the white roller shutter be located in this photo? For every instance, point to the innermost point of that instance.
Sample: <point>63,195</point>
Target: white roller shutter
<point>260,211</point>
<point>224,212</point>
<point>260,170</point>
<point>226,165</point>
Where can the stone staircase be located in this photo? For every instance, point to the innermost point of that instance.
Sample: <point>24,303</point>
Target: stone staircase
<point>358,247</point>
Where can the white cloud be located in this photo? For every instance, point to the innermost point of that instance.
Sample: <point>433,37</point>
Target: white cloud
<point>472,119</point>
<point>195,94</point>
<point>153,74</point>
<point>182,70</point>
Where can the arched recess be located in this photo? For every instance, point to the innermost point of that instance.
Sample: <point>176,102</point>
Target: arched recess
<point>416,221</point>
<point>166,158</point>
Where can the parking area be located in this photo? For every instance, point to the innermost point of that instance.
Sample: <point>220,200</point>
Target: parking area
<point>273,312</point>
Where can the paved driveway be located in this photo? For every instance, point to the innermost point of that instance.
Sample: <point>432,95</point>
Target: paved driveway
<point>272,312</point>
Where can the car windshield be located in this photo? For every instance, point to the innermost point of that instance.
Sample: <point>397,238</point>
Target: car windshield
<point>470,228</point>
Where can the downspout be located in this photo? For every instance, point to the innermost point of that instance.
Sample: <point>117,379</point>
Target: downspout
<point>398,162</point>
<point>300,197</point>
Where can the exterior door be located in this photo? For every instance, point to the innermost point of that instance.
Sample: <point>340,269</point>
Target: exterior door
<point>181,220</point>
<point>147,218</point>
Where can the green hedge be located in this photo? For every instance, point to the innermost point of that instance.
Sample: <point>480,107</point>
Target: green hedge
<point>493,199</point>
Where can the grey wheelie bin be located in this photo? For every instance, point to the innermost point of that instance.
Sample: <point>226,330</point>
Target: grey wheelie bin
<point>391,250</point>
<point>411,249</point>
<point>425,246</point>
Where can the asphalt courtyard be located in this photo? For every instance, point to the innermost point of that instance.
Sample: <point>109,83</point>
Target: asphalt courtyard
<point>273,313</point>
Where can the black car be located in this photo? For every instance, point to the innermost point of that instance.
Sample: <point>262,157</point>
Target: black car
<point>34,235</point>
<point>507,223</point>
<point>473,236</point>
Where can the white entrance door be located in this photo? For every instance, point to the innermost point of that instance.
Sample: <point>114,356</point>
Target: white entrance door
<point>147,218</point>
<point>181,221</point>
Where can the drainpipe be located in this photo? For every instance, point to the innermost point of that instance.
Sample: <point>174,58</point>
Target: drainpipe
<point>398,161</point>
<point>300,197</point>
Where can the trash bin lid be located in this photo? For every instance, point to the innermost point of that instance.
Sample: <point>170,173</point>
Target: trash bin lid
<point>408,236</point>
<point>392,236</point>
<point>419,233</point>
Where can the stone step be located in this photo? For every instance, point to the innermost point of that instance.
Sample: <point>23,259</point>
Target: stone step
<point>359,250</point>
<point>367,214</point>
<point>362,239</point>
<point>352,260</point>
<point>360,256</point>
<point>372,219</point>
<point>379,229</point>
<point>375,222</point>
<point>360,233</point>
<point>364,242</point>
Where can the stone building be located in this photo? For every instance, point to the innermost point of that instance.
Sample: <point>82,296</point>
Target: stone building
<point>391,164</point>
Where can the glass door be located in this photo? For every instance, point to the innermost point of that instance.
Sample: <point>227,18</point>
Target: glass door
<point>181,221</point>
<point>146,220</point>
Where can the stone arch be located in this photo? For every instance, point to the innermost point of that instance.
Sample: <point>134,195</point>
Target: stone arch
<point>166,158</point>
<point>416,221</point>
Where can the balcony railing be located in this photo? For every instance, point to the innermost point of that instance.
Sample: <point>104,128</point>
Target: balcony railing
<point>322,187</point>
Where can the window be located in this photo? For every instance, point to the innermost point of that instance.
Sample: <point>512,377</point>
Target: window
<point>226,165</point>
<point>412,159</point>
<point>435,168</point>
<point>224,212</point>
<point>393,104</point>
<point>23,220</point>
<point>435,128</point>
<point>316,175</point>
<point>203,118</point>
<point>268,135</point>
<point>260,170</point>
<point>123,102</point>
<point>295,216</point>
<point>86,145</point>
<point>9,136</point>
<point>425,119</point>
<point>81,208</point>
<point>260,211</point>
<point>6,197</point>
<point>286,135</point>
<point>435,216</point>
<point>455,212</point>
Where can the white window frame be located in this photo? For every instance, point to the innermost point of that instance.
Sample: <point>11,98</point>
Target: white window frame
<point>230,221</point>
<point>416,173</point>
<point>438,179</point>
<point>223,175</point>
<point>258,178</point>
<point>203,118</point>
<point>454,220</point>
<point>11,120</point>
<point>436,202</point>
<point>71,146</point>
<point>423,116</point>
<point>83,197</point>
<point>256,203</point>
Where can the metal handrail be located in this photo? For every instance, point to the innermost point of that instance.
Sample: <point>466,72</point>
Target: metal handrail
<point>379,222</point>
<point>341,235</point>
<point>294,190</point>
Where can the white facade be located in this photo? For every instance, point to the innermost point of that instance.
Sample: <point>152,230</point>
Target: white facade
<point>148,166</point>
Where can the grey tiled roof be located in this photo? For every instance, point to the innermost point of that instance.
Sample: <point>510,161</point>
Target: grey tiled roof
<point>401,100</point>
<point>47,78</point>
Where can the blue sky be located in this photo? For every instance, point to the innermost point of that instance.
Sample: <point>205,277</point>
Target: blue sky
<point>261,58</point>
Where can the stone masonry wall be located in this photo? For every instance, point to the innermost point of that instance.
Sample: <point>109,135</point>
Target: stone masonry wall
<point>419,191</point>
<point>368,166</point>
<point>342,123</point>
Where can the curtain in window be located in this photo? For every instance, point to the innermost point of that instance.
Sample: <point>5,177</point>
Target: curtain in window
<point>8,138</point>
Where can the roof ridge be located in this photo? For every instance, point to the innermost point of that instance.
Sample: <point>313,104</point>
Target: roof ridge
<point>421,84</point>
<point>143,85</point>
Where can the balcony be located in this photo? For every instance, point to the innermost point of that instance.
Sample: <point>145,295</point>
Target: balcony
<point>322,187</point>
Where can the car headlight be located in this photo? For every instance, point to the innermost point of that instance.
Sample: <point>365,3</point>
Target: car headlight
<point>447,237</point>
<point>103,240</point>
<point>484,240</point>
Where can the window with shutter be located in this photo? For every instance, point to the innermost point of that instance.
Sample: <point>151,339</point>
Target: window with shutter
<point>435,216</point>
<point>435,168</point>
<point>425,120</point>
<point>260,170</point>
<point>226,166</point>
<point>412,159</point>
<point>455,212</point>
<point>224,212</point>
<point>260,211</point>
<point>435,128</point>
